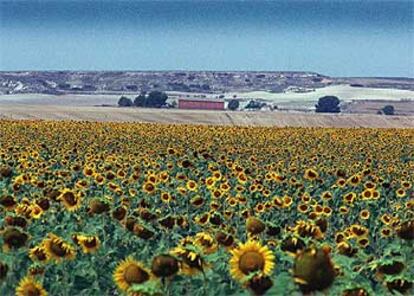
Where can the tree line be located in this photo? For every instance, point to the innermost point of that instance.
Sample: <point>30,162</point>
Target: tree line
<point>153,99</point>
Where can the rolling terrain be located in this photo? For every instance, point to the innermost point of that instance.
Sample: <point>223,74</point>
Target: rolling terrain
<point>237,118</point>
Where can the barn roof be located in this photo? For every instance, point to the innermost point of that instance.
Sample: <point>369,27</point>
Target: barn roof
<point>202,100</point>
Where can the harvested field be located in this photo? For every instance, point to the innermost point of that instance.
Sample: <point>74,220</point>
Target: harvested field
<point>372,106</point>
<point>279,119</point>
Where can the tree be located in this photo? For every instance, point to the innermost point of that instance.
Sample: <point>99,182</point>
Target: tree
<point>328,104</point>
<point>124,102</point>
<point>388,110</point>
<point>233,105</point>
<point>174,104</point>
<point>255,105</point>
<point>156,99</point>
<point>140,101</point>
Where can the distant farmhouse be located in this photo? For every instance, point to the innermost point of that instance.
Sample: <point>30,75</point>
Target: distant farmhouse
<point>201,104</point>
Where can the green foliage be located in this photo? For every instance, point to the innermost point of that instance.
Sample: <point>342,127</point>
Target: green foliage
<point>328,104</point>
<point>155,99</point>
<point>233,105</point>
<point>388,110</point>
<point>124,102</point>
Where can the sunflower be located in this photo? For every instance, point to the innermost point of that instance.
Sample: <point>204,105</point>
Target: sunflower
<point>120,213</point>
<point>242,178</point>
<point>165,197</point>
<point>363,242</point>
<point>367,194</point>
<point>70,200</point>
<point>255,226</point>
<point>89,244</point>
<point>251,257</point>
<point>386,231</point>
<point>28,287</point>
<point>292,245</point>
<point>287,201</point>
<point>260,208</point>
<point>191,185</point>
<point>39,254</point>
<point>364,214</point>
<point>359,230</point>
<point>8,201</point>
<point>205,242</point>
<point>13,238</point>
<point>354,180</point>
<point>327,195</point>
<point>375,194</point>
<point>277,202</point>
<point>313,270</point>
<point>197,201</point>
<point>191,261</point>
<point>215,205</point>
<point>37,211</point>
<point>400,192</point>
<point>349,198</point>
<point>386,219</point>
<point>327,211</point>
<point>88,171</point>
<point>82,184</point>
<point>4,269</point>
<point>99,179</point>
<point>148,187</point>
<point>341,183</point>
<point>129,272</point>
<point>344,248</point>
<point>164,266</point>
<point>406,230</point>
<point>311,174</point>
<point>203,219</point>
<point>57,248</point>
<point>231,201</point>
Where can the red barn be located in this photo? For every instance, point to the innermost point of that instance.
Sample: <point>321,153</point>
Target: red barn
<point>200,104</point>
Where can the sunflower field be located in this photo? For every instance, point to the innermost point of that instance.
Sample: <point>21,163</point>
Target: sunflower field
<point>149,209</point>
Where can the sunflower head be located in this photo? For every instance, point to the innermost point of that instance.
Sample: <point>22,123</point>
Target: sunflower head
<point>13,238</point>
<point>224,239</point>
<point>292,245</point>
<point>205,242</point>
<point>6,171</point>
<point>28,286</point>
<point>259,284</point>
<point>400,285</point>
<point>251,257</point>
<point>8,202</point>
<point>89,244</point>
<point>4,268</point>
<point>97,206</point>
<point>37,211</point>
<point>57,248</point>
<point>406,230</point>
<point>120,213</point>
<point>39,254</point>
<point>70,200</point>
<point>254,225</point>
<point>130,272</point>
<point>191,261</point>
<point>36,269</point>
<point>164,266</point>
<point>313,270</point>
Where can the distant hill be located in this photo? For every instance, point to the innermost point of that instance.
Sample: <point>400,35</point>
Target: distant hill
<point>90,82</point>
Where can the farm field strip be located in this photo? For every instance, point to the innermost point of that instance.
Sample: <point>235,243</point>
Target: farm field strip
<point>235,118</point>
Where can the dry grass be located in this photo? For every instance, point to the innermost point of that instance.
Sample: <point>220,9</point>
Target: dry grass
<point>279,119</point>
